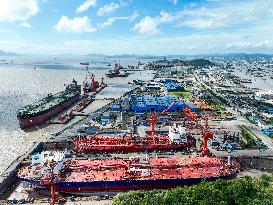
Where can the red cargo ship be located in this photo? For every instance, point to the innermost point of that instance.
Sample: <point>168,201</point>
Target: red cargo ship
<point>178,139</point>
<point>48,107</point>
<point>130,144</point>
<point>83,176</point>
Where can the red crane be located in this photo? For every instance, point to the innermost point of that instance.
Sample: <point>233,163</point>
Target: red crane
<point>192,116</point>
<point>93,83</point>
<point>152,120</point>
<point>168,108</point>
<point>206,136</point>
<point>205,129</point>
<point>51,182</point>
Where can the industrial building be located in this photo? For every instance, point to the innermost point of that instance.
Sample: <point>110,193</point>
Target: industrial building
<point>149,103</point>
<point>172,86</point>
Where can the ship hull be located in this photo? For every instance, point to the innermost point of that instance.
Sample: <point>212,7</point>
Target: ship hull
<point>42,117</point>
<point>86,188</point>
<point>135,148</point>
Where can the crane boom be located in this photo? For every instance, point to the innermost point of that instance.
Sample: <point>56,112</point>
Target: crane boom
<point>168,108</point>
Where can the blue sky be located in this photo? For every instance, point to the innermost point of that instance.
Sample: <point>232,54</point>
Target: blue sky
<point>157,27</point>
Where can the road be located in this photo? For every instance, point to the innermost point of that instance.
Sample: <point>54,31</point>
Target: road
<point>242,121</point>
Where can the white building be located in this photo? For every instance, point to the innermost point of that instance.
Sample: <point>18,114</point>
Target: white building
<point>177,133</point>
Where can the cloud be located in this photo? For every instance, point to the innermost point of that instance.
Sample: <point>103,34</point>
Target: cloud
<point>86,5</point>
<point>246,40</point>
<point>112,20</point>
<point>75,25</point>
<point>229,14</point>
<point>25,25</point>
<point>107,9</point>
<point>149,25</point>
<point>17,10</point>
<point>133,16</point>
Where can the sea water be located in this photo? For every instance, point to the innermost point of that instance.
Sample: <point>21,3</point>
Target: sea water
<point>26,79</point>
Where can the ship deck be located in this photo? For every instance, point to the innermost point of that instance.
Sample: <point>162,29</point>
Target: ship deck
<point>155,168</point>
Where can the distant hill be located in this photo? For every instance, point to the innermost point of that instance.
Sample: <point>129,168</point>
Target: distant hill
<point>234,55</point>
<point>3,53</point>
<point>199,56</point>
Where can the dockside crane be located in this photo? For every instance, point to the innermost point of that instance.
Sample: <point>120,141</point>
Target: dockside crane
<point>206,136</point>
<point>152,120</point>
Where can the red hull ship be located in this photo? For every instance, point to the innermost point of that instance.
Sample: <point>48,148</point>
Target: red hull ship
<point>130,144</point>
<point>82,176</point>
<point>48,107</point>
<point>178,139</point>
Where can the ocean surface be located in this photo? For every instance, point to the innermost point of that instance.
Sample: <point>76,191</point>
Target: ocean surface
<point>21,84</point>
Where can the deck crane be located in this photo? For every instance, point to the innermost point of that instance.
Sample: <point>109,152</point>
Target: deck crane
<point>117,68</point>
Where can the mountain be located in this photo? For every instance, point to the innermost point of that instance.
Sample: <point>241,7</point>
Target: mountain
<point>3,53</point>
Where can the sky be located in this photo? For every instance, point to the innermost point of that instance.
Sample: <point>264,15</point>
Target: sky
<point>144,27</point>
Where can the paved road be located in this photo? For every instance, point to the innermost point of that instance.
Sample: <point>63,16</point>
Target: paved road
<point>242,121</point>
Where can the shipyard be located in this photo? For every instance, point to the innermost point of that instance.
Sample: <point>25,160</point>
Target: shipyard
<point>129,102</point>
<point>172,129</point>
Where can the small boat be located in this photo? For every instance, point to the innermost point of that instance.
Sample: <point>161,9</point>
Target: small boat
<point>84,63</point>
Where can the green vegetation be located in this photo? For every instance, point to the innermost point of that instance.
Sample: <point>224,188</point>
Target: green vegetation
<point>252,141</point>
<point>216,106</point>
<point>199,63</point>
<point>270,120</point>
<point>248,116</point>
<point>186,95</point>
<point>244,191</point>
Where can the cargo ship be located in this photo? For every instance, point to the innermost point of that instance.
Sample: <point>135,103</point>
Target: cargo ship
<point>116,72</point>
<point>49,106</point>
<point>86,176</point>
<point>178,139</point>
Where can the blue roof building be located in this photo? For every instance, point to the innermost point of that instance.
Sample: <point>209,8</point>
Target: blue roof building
<point>172,86</point>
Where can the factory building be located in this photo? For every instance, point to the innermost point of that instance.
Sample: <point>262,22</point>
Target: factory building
<point>172,86</point>
<point>158,103</point>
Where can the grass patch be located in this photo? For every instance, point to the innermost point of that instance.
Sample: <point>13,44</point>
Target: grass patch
<point>270,120</point>
<point>216,106</point>
<point>252,141</point>
<point>186,94</point>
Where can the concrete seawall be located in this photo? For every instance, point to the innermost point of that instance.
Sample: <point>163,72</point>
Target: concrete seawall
<point>257,162</point>
<point>8,179</point>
